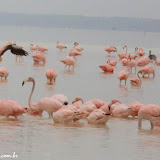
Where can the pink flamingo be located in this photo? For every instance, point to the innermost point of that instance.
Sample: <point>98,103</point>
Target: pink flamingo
<point>73,52</point>
<point>68,61</point>
<point>147,70</point>
<point>60,46</point>
<point>41,48</point>
<point>112,63</point>
<point>61,98</point>
<point>123,75</point>
<point>38,58</point>
<point>49,105</point>
<point>97,102</point>
<point>110,49</point>
<point>140,52</point>
<point>120,110</point>
<point>51,74</point>
<point>4,72</point>
<point>65,115</point>
<point>157,62</point>
<point>142,61</point>
<point>32,47</point>
<point>132,56</point>
<point>124,62</point>
<point>10,108</point>
<point>107,68</point>
<point>136,81</point>
<point>135,106</point>
<point>132,64</point>
<point>149,112</point>
<point>123,55</point>
<point>98,117</point>
<point>78,47</point>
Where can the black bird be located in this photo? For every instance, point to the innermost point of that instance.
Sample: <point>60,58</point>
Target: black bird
<point>15,49</point>
<point>152,56</point>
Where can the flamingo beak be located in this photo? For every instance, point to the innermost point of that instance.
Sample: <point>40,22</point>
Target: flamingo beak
<point>24,81</point>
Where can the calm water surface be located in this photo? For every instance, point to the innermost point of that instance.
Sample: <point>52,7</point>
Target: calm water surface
<point>38,137</point>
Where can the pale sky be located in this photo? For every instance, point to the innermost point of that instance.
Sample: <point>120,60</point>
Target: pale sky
<point>104,8</point>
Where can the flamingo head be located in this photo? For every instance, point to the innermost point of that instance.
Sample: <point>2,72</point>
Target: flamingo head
<point>77,99</point>
<point>30,79</point>
<point>76,44</point>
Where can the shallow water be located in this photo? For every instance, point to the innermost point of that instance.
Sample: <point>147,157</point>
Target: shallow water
<point>38,137</point>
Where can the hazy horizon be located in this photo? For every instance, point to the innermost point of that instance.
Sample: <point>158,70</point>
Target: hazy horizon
<point>101,8</point>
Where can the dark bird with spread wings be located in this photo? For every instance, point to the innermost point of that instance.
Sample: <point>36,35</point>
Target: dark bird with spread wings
<point>15,49</point>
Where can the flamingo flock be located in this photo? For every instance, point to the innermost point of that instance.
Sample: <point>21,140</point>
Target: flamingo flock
<point>94,111</point>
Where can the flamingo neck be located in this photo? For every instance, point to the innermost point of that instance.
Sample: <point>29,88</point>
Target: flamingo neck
<point>139,77</point>
<point>29,100</point>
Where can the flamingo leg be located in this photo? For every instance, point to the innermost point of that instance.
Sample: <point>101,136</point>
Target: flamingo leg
<point>152,126</point>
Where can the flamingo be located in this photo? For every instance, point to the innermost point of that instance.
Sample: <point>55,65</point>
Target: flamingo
<point>61,98</point>
<point>110,49</point>
<point>135,106</point>
<point>4,72</point>
<point>132,63</point>
<point>124,62</point>
<point>68,61</point>
<point>51,74</point>
<point>142,61</point>
<point>15,49</point>
<point>32,47</point>
<point>11,108</point>
<point>123,55</point>
<point>73,52</point>
<point>147,70</point>
<point>78,47</point>
<point>49,105</point>
<point>65,116</point>
<point>98,117</point>
<point>107,68</point>
<point>112,63</point>
<point>41,48</point>
<point>60,46</point>
<point>120,110</point>
<point>123,75</point>
<point>136,81</point>
<point>38,58</point>
<point>157,62</point>
<point>140,51</point>
<point>149,112</point>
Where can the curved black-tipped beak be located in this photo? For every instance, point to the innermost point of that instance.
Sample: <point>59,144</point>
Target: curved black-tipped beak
<point>107,114</point>
<point>65,103</point>
<point>22,83</point>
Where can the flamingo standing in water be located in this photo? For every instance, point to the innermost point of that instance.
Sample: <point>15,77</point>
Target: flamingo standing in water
<point>123,75</point>
<point>15,49</point>
<point>73,52</point>
<point>136,81</point>
<point>107,68</point>
<point>68,61</point>
<point>142,61</point>
<point>32,47</point>
<point>110,49</point>
<point>11,108</point>
<point>4,72</point>
<point>149,112</point>
<point>98,117</point>
<point>49,105</point>
<point>147,70</point>
<point>123,55</point>
<point>51,75</point>
<point>60,46</point>
<point>135,106</point>
<point>41,48</point>
<point>139,51</point>
<point>78,47</point>
<point>38,58</point>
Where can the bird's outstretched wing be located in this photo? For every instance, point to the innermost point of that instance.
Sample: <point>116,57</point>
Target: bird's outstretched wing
<point>6,47</point>
<point>17,50</point>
